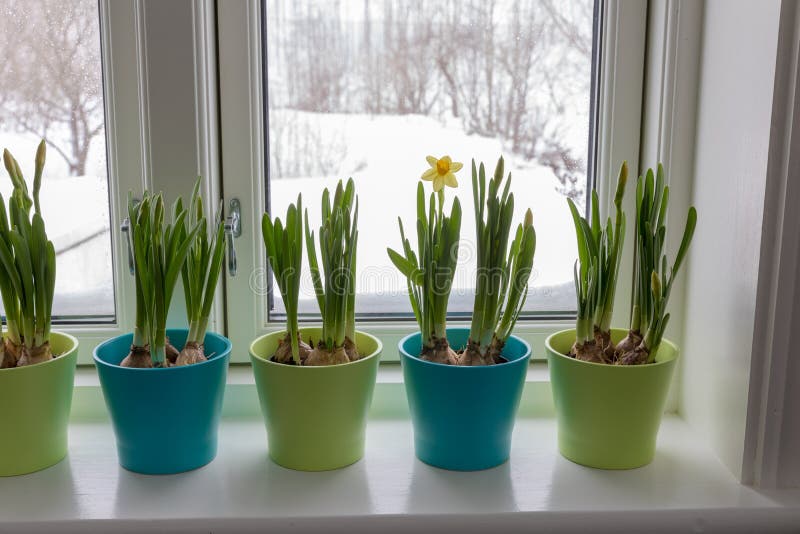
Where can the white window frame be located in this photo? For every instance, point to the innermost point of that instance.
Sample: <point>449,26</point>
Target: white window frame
<point>645,108</point>
<point>243,166</point>
<point>134,163</point>
<point>770,430</point>
<point>126,152</point>
<point>227,147</point>
<point>135,159</point>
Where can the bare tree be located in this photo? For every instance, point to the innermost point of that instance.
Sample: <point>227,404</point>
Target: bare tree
<point>407,60</point>
<point>509,69</point>
<point>316,58</point>
<point>51,79</point>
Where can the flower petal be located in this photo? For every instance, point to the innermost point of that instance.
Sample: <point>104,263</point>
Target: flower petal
<point>429,174</point>
<point>446,159</point>
<point>431,161</point>
<point>450,179</point>
<point>456,166</point>
<point>438,183</point>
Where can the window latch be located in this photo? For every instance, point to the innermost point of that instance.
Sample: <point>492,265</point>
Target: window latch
<point>233,229</point>
<point>125,227</point>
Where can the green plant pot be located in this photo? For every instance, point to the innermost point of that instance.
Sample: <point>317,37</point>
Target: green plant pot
<point>36,400</point>
<point>608,415</point>
<point>315,416</point>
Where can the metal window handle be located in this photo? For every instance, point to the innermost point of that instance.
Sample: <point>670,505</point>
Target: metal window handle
<point>233,229</point>
<point>126,229</point>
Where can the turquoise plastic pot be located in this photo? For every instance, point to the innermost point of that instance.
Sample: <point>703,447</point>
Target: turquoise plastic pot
<point>165,420</point>
<point>36,401</point>
<point>608,415</point>
<point>463,417</point>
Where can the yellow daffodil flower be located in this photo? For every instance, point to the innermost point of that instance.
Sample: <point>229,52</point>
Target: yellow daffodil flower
<point>442,172</point>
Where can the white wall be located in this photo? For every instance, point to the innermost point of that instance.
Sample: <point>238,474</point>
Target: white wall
<point>737,71</point>
<point>789,460</point>
<point>773,427</point>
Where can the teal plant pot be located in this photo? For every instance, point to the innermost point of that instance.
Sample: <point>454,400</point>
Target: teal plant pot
<point>463,417</point>
<point>37,400</point>
<point>316,417</point>
<point>166,419</point>
<point>608,415</point>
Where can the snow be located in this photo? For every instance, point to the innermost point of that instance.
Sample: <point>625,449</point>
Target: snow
<point>385,156</point>
<point>76,214</point>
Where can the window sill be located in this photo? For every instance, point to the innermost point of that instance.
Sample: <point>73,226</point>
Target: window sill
<point>241,398</point>
<point>685,488</point>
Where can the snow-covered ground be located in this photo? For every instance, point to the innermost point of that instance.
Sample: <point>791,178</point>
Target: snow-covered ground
<point>385,156</point>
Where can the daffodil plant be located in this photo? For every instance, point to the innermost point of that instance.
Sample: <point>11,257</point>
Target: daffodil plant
<point>502,277</point>
<point>284,244</point>
<point>596,273</point>
<point>27,270</point>
<point>159,252</point>
<point>429,271</point>
<point>200,273</point>
<point>335,283</point>
<point>653,281</point>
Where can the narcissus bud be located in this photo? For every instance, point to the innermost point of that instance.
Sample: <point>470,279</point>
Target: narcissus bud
<point>655,285</point>
<point>40,155</point>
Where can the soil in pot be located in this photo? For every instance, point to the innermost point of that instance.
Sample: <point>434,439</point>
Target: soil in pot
<point>13,355</point>
<point>631,350</point>
<point>315,355</point>
<point>471,355</point>
<point>140,358</point>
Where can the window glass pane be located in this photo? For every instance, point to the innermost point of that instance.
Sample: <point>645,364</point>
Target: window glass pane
<point>368,88</point>
<point>51,87</point>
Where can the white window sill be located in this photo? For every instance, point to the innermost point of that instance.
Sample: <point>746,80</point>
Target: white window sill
<point>241,397</point>
<point>242,374</point>
<point>685,489</point>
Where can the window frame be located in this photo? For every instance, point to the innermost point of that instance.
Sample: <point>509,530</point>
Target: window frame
<point>461,317</point>
<point>121,80</point>
<point>231,63</point>
<point>243,138</point>
<point>133,164</point>
<point>126,154</point>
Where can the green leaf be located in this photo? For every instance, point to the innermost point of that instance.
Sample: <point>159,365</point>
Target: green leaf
<point>405,266</point>
<point>688,234</point>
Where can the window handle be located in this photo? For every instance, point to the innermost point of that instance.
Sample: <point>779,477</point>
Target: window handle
<point>233,229</point>
<point>126,229</point>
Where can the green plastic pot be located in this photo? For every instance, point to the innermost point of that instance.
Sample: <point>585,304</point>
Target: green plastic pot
<point>316,417</point>
<point>36,401</point>
<point>608,415</point>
